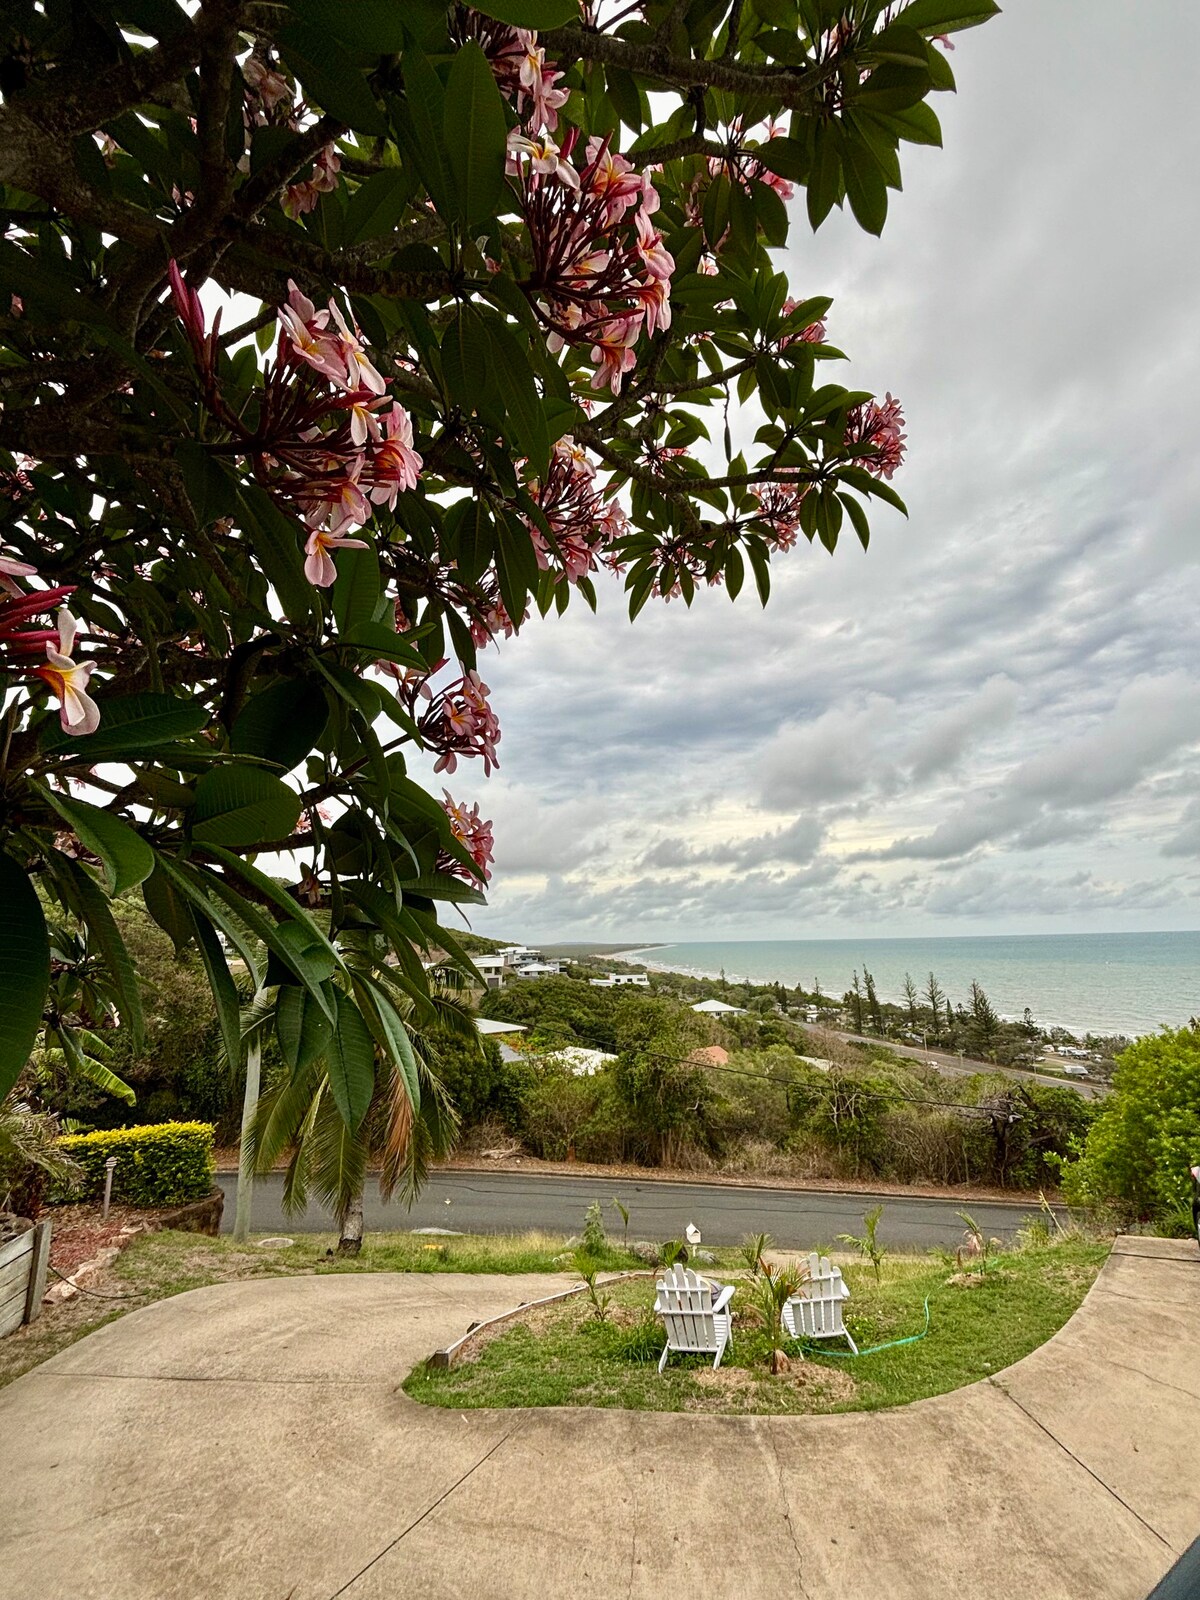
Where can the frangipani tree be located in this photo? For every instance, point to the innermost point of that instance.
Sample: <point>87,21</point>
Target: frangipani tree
<point>335,341</point>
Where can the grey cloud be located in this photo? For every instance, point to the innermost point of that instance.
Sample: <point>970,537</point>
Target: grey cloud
<point>948,737</point>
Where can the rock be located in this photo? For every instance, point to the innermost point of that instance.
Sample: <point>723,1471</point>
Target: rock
<point>705,1258</point>
<point>645,1251</point>
<point>276,1243</point>
<point>444,1233</point>
<point>780,1363</point>
<point>573,1242</point>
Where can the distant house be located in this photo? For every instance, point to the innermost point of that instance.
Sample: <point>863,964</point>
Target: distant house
<point>621,980</point>
<point>491,970</point>
<point>813,1014</point>
<point>816,1061</point>
<point>516,955</point>
<point>718,1008</point>
<point>1075,1069</point>
<point>537,969</point>
<point>582,1062</point>
<point>709,1055</point>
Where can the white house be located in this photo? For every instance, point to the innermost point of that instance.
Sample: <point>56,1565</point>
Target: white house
<point>622,980</point>
<point>491,970</point>
<point>582,1062</point>
<point>516,955</point>
<point>1075,1069</point>
<point>537,969</point>
<point>718,1008</point>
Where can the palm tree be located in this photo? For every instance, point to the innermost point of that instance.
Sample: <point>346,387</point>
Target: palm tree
<point>407,1119</point>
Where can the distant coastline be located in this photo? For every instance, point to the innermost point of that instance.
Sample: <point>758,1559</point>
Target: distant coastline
<point>1086,983</point>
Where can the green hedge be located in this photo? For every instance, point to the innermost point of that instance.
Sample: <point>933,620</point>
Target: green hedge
<point>159,1164</point>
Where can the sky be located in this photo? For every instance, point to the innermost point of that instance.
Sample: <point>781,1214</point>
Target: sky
<point>990,722</point>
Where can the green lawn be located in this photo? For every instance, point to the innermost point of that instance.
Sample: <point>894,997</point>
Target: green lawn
<point>565,1356</point>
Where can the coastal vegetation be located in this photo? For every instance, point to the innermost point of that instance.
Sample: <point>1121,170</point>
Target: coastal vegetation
<point>1135,1160</point>
<point>777,1098</point>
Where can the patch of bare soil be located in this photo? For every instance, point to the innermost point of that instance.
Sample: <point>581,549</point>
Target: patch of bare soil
<point>80,1232</point>
<point>723,1381</point>
<point>966,1280</point>
<point>824,1384</point>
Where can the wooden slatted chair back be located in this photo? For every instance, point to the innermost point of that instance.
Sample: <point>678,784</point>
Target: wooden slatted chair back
<point>685,1303</point>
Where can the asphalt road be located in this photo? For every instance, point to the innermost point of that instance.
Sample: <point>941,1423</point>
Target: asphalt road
<point>509,1202</point>
<point>954,1066</point>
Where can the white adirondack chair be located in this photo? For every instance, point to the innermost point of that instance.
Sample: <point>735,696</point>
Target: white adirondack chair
<point>816,1312</point>
<point>697,1320</point>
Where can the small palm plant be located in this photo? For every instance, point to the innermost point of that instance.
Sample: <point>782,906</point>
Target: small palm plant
<point>773,1288</point>
<point>586,1268</point>
<point>867,1243</point>
<point>975,1243</point>
<point>754,1247</point>
<point>623,1213</point>
<point>30,1158</point>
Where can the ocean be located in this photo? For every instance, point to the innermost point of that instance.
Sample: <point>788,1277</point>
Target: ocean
<point>1127,983</point>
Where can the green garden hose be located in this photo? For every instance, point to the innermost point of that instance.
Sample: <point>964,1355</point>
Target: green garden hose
<point>892,1344</point>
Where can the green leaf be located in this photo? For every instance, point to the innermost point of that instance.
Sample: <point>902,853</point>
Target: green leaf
<point>537,14</point>
<point>130,724</point>
<point>210,488</point>
<point>226,999</point>
<point>735,572</point>
<point>278,544</point>
<point>125,856</point>
<point>94,909</point>
<point>25,964</point>
<point>420,119</point>
<point>384,642</point>
<point>312,938</point>
<point>357,589</point>
<point>516,565</point>
<point>377,205</point>
<point>303,1029</point>
<point>243,806</point>
<point>514,375</point>
<point>168,908</point>
<point>198,889</point>
<point>375,27</point>
<point>329,76</point>
<point>307,953</point>
<point>350,1063</point>
<point>475,131</point>
<point>471,537</point>
<point>282,723</point>
<point>825,179</point>
<point>865,186</point>
<point>390,1033</point>
<point>858,517</point>
<point>946,16</point>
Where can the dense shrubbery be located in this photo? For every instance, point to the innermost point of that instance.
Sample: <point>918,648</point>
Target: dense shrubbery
<point>1147,1135</point>
<point>165,1164</point>
<point>767,1108</point>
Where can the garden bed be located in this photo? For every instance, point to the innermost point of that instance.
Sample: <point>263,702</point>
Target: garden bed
<point>978,1324</point>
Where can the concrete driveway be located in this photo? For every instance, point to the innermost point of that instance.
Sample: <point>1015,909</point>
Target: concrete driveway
<point>249,1441</point>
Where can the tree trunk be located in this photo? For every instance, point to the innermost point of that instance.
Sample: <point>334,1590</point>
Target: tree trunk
<point>350,1241</point>
<point>245,1188</point>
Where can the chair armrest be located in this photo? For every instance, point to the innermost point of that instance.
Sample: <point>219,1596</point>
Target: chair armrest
<point>723,1299</point>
